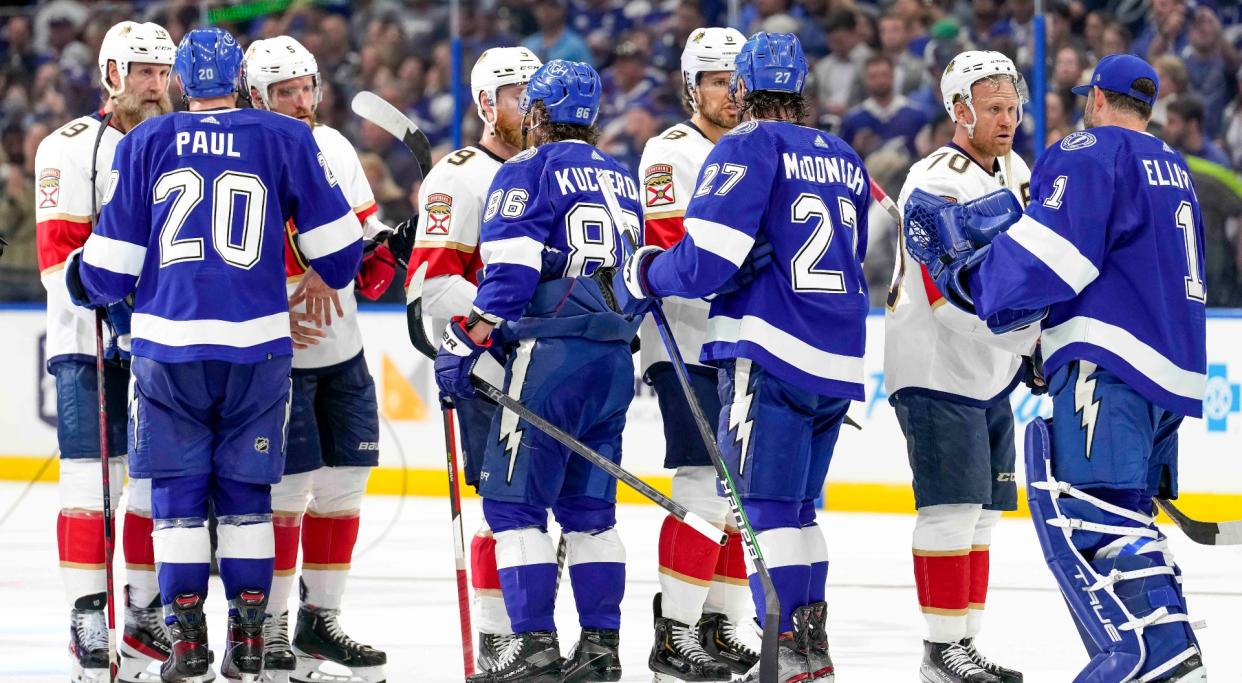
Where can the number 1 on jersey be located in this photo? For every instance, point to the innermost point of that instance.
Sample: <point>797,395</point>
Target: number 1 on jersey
<point>1185,216</point>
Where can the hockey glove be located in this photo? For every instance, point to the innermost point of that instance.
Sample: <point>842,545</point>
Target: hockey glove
<point>759,258</point>
<point>118,316</point>
<point>980,220</point>
<point>1033,371</point>
<point>401,240</point>
<point>73,280</point>
<point>458,355</point>
<point>1015,319</point>
<point>629,285</point>
<point>377,271</point>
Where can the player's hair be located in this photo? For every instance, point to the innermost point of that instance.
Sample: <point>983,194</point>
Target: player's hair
<point>769,104</point>
<point>556,132</point>
<point>1129,105</point>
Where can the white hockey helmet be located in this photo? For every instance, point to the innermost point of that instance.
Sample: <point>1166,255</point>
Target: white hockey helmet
<point>708,49</point>
<point>130,42</point>
<point>498,67</point>
<point>970,67</point>
<point>278,59</point>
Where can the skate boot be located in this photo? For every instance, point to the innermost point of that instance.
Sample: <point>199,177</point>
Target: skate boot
<point>278,659</point>
<point>1189,671</point>
<point>144,642</point>
<point>319,638</point>
<point>951,663</point>
<point>188,660</point>
<point>243,654</point>
<point>88,640</point>
<point>594,657</point>
<point>721,640</point>
<point>490,647</point>
<point>677,654</point>
<point>533,657</point>
<point>1006,675</point>
<point>812,619</point>
<point>790,663</point>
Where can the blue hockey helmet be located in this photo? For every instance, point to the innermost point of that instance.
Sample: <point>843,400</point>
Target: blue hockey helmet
<point>208,63</point>
<point>770,61</point>
<point>570,92</point>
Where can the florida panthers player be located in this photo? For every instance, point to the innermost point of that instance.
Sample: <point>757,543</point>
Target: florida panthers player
<point>1110,248</point>
<point>451,202</point>
<point>949,378</point>
<point>334,420</point>
<point>73,163</point>
<point>789,344</point>
<point>192,226</point>
<point>703,593</point>
<point>560,334</point>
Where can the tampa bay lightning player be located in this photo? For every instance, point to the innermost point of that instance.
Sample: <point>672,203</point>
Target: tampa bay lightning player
<point>545,231</point>
<point>193,226</point>
<point>789,344</point>
<point>1111,250</point>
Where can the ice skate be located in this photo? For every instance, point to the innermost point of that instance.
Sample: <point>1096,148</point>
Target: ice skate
<point>319,638</point>
<point>678,654</point>
<point>791,662</point>
<point>1006,675</point>
<point>810,623</point>
<point>278,660</point>
<point>88,643</point>
<point>1190,671</point>
<point>243,655</point>
<point>722,640</point>
<point>594,657</point>
<point>490,647</point>
<point>188,660</point>
<point>951,663</point>
<point>533,657</point>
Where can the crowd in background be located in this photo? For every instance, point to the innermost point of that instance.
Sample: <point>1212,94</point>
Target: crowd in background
<point>875,70</point>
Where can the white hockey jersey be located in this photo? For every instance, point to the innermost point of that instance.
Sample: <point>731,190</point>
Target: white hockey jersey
<point>936,348</point>
<point>343,339</point>
<point>450,215</point>
<point>669,170</point>
<point>63,201</point>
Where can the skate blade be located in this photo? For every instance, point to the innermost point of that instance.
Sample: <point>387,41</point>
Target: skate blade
<point>310,670</point>
<point>80,675</point>
<point>276,676</point>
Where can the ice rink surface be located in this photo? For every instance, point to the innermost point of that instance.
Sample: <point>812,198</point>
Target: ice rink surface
<point>402,596</point>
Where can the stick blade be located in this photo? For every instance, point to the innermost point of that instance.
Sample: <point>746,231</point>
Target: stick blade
<point>382,113</point>
<point>414,313</point>
<point>1203,533</point>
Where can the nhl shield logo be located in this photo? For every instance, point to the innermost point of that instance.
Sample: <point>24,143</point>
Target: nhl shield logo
<point>262,445</point>
<point>49,188</point>
<point>659,184</point>
<point>439,214</point>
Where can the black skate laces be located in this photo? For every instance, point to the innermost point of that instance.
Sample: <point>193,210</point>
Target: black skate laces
<point>958,660</point>
<point>686,641</point>
<point>92,630</point>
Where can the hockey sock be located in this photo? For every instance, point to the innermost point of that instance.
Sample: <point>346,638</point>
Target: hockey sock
<point>288,503</point>
<point>330,531</point>
<point>182,542</point>
<point>729,593</point>
<point>780,538</point>
<point>817,557</point>
<point>489,603</point>
<point>79,525</point>
<point>138,546</point>
<point>979,568</point>
<point>942,541</point>
<point>596,563</point>
<point>246,545</point>
<point>687,562</point>
<point>526,563</point>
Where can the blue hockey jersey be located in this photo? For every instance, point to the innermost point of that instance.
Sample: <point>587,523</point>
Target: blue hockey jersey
<point>193,224</point>
<point>804,317</point>
<point>547,199</point>
<point>1113,242</point>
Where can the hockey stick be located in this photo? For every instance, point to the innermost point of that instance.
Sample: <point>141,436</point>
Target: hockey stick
<point>379,111</point>
<point>418,338</point>
<point>459,541</point>
<point>1204,533</point>
<point>768,664</point>
<point>109,540</point>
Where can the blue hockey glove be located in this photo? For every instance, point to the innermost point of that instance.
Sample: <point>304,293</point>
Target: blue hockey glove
<point>759,258</point>
<point>118,316</point>
<point>982,219</point>
<point>629,285</point>
<point>458,355</point>
<point>1015,319</point>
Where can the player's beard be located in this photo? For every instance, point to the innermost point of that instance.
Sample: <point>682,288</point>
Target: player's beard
<point>719,115</point>
<point>510,135</point>
<point>131,109</point>
<point>993,147</point>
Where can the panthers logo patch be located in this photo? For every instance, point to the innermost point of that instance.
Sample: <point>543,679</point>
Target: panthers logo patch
<point>49,188</point>
<point>659,184</point>
<point>439,214</point>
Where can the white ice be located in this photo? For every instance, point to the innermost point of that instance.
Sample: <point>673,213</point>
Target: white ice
<point>402,596</point>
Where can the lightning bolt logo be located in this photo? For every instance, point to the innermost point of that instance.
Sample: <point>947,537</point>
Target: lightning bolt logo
<point>510,435</point>
<point>740,419</point>
<point>1086,405</point>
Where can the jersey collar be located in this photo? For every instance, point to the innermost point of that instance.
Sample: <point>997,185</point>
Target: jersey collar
<point>995,162</point>
<point>489,153</point>
<point>690,124</point>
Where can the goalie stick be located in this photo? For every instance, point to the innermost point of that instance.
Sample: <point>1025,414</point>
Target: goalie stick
<point>768,654</point>
<point>418,337</point>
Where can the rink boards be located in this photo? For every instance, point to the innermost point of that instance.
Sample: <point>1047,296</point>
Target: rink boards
<point>869,470</point>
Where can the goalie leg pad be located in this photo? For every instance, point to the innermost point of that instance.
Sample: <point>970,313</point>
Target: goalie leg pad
<point>1114,571</point>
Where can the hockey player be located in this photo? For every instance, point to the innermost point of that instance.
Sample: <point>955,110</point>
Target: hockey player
<point>451,202</point>
<point>334,418</point>
<point>789,344</point>
<point>73,163</point>
<point>1110,250</point>
<point>560,335</point>
<point>949,379</point>
<point>703,594</point>
<point>192,226</point>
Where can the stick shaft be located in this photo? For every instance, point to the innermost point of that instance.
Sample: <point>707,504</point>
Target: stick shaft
<point>109,540</point>
<point>459,542</point>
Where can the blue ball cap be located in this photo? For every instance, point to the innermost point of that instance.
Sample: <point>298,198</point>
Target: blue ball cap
<point>1117,73</point>
<point>208,62</point>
